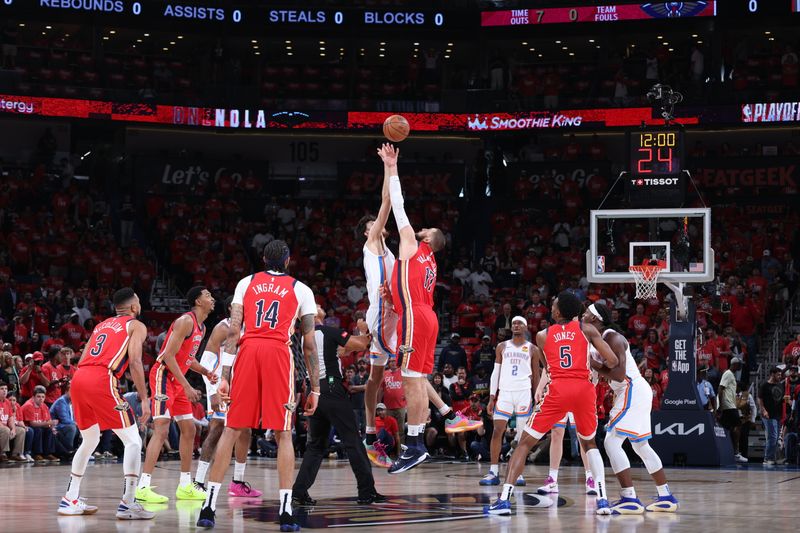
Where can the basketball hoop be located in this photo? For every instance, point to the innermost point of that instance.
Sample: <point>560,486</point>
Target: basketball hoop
<point>646,278</point>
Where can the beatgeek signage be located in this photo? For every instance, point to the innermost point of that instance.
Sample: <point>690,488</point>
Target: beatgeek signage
<point>780,174</point>
<point>771,112</point>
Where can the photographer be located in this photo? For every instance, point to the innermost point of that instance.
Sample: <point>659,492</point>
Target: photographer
<point>32,376</point>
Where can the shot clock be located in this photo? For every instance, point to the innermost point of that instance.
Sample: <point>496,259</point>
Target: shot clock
<point>656,175</point>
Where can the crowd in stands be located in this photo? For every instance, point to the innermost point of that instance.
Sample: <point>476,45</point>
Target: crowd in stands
<point>96,63</point>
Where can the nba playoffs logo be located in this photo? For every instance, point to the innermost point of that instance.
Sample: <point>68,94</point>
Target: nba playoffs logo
<point>601,264</point>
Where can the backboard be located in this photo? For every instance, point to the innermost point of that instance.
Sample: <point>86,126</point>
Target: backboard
<point>679,239</point>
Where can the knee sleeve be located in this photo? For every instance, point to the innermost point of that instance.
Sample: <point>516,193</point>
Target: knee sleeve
<point>616,455</point>
<point>91,438</point>
<point>132,458</point>
<point>648,455</point>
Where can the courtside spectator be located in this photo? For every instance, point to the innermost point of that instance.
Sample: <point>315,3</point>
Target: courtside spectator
<point>66,429</point>
<point>37,416</point>
<point>770,404</point>
<point>453,354</point>
<point>393,398</point>
<point>388,432</point>
<point>12,439</point>
<point>791,352</point>
<point>728,412</point>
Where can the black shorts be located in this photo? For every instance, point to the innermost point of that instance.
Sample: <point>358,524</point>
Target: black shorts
<point>730,419</point>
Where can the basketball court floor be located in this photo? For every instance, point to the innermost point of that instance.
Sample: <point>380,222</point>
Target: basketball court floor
<point>433,497</point>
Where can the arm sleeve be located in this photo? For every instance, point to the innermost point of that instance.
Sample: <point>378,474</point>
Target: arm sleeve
<point>398,204</point>
<point>241,288</point>
<point>495,379</point>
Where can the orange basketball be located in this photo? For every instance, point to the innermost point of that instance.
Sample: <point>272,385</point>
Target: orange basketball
<point>396,128</point>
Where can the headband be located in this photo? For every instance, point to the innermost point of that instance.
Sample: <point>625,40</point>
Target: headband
<point>520,319</point>
<point>280,263</point>
<point>596,313</point>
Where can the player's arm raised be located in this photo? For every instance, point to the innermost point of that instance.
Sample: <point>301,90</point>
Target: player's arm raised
<point>494,381</point>
<point>182,329</point>
<point>408,239</point>
<point>389,155</point>
<point>596,340</point>
<point>138,333</point>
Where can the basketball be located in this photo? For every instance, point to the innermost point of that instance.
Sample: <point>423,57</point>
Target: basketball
<point>396,128</point>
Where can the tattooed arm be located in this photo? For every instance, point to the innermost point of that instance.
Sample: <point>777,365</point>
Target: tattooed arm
<point>230,346</point>
<point>312,361</point>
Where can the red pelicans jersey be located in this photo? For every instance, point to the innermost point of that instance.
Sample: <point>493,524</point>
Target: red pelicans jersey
<point>414,280</point>
<point>188,349</point>
<point>272,302</point>
<point>108,345</point>
<point>567,352</point>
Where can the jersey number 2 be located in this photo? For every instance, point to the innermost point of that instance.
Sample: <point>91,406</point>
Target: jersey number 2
<point>566,357</point>
<point>98,345</point>
<point>270,316</point>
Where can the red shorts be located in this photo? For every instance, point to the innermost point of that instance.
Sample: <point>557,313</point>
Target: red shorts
<point>417,332</point>
<point>262,389</point>
<point>169,398</point>
<point>96,400</point>
<point>564,396</point>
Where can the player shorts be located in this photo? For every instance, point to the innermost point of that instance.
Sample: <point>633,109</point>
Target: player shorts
<point>630,415</point>
<point>417,330</point>
<point>96,400</point>
<point>262,389</point>
<point>168,397</point>
<point>513,403</point>
<point>564,396</point>
<point>383,327</point>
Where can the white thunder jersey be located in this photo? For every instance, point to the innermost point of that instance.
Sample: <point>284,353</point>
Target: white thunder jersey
<point>515,370</point>
<point>631,370</point>
<point>383,327</point>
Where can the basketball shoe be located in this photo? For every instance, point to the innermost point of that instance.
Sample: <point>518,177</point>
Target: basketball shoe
<point>460,424</point>
<point>663,504</point>
<point>410,458</point>
<point>148,495</point>
<point>133,511</point>
<point>550,487</point>
<point>242,489</point>
<point>627,506</point>
<point>591,490</point>
<point>75,507</point>
<point>377,454</point>
<point>489,479</point>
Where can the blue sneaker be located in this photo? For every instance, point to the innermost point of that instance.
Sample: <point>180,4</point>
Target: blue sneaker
<point>207,518</point>
<point>520,482</point>
<point>663,504</point>
<point>627,506</point>
<point>489,479</point>
<point>499,507</point>
<point>288,523</point>
<point>603,508</point>
<point>408,460</point>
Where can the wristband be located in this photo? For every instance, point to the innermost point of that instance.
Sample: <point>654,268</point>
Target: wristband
<point>227,359</point>
<point>315,393</point>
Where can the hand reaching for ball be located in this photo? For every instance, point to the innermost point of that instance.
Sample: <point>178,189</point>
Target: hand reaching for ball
<point>389,154</point>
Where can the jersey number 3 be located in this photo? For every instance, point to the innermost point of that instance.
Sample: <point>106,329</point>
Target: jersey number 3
<point>270,316</point>
<point>99,341</point>
<point>566,357</point>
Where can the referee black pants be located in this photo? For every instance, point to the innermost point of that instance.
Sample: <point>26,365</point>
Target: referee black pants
<point>335,409</point>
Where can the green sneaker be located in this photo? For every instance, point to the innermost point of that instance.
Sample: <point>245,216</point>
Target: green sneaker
<point>148,495</point>
<point>190,492</point>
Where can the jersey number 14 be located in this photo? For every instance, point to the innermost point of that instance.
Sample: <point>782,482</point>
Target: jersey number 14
<point>270,316</point>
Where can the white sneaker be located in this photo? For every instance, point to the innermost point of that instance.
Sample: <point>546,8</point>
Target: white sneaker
<point>739,458</point>
<point>550,487</point>
<point>28,458</point>
<point>133,511</point>
<point>75,507</point>
<point>769,462</point>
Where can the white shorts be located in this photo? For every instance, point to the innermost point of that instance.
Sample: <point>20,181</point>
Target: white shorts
<point>566,421</point>
<point>630,416</point>
<point>383,327</point>
<point>513,403</point>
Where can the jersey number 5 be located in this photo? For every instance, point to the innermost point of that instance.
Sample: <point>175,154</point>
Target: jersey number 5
<point>430,278</point>
<point>566,357</point>
<point>270,316</point>
<point>98,345</point>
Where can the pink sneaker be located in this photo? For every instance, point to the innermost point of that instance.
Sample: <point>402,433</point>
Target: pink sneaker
<point>550,487</point>
<point>591,490</point>
<point>242,489</point>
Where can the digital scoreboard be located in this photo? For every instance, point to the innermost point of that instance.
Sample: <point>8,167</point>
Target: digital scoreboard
<point>656,174</point>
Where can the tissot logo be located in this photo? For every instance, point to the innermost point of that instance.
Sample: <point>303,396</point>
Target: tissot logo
<point>644,182</point>
<point>678,428</point>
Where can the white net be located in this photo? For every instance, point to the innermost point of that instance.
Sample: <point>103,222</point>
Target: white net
<point>646,278</point>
